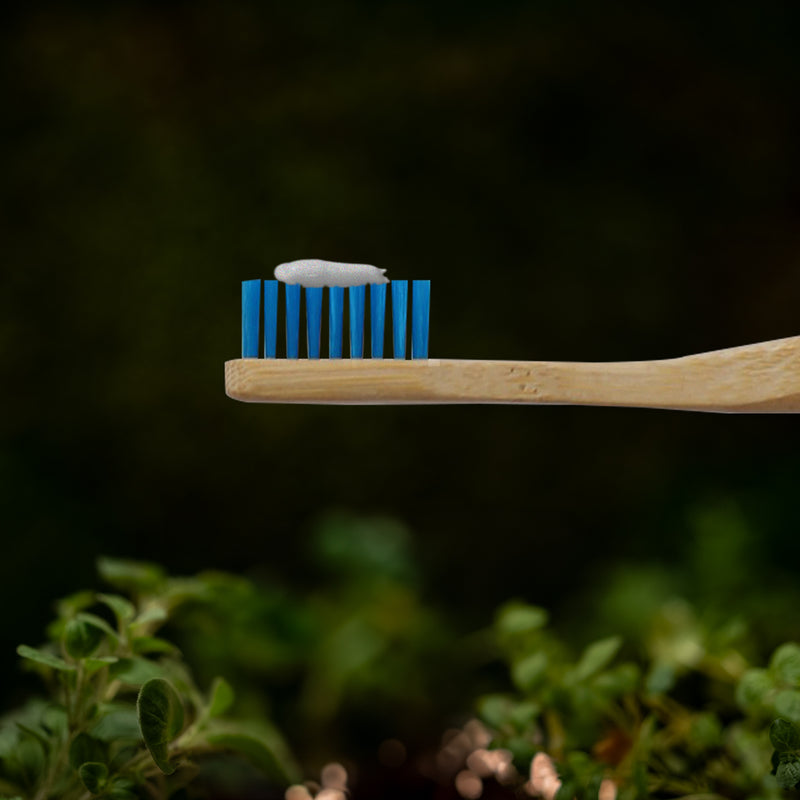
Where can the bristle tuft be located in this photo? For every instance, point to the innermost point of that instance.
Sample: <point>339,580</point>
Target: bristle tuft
<point>357,296</point>
<point>313,320</point>
<point>377,317</point>
<point>251,313</point>
<point>420,318</point>
<point>270,319</point>
<point>292,320</point>
<point>399,317</point>
<point>335,321</point>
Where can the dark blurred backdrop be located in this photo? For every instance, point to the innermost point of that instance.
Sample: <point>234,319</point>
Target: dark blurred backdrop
<point>580,181</point>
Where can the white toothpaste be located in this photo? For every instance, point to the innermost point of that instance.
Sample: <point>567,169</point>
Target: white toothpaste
<point>313,272</point>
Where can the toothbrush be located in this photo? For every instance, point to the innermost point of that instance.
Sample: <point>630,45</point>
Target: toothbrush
<point>756,378</point>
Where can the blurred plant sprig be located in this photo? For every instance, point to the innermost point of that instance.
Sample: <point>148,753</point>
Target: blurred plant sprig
<point>124,713</point>
<point>679,714</point>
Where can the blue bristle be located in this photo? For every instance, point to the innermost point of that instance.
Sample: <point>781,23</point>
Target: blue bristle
<point>357,295</point>
<point>251,311</point>
<point>377,317</point>
<point>335,316</point>
<point>420,316</point>
<point>270,318</point>
<point>292,320</point>
<point>399,317</point>
<point>313,320</point>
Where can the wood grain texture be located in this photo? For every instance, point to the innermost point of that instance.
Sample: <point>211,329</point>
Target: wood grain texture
<point>757,378</point>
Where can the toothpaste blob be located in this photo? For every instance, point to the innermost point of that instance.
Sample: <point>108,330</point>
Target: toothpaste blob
<point>313,273</point>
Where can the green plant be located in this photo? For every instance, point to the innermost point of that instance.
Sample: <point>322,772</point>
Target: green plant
<point>124,717</point>
<point>682,715</point>
<point>785,738</point>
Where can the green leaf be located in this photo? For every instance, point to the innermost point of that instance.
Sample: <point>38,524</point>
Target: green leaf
<point>617,681</point>
<point>153,613</point>
<point>81,638</point>
<point>221,697</point>
<point>160,719</point>
<point>117,724</point>
<point>92,665</point>
<point>86,748</point>
<point>32,733</point>
<point>94,776</point>
<point>788,773</point>
<point>787,704</point>
<point>123,609</point>
<point>54,720</point>
<point>705,732</point>
<point>98,622</point>
<point>596,657</point>
<point>515,618</point>
<point>127,752</point>
<point>524,715</point>
<point>754,688</point>
<point>135,671</point>
<point>661,678</point>
<point>138,576</point>
<point>26,764</point>
<point>529,671</point>
<point>784,736</point>
<point>496,709</point>
<point>42,657</point>
<point>785,663</point>
<point>122,789</point>
<point>68,607</point>
<point>152,644</point>
<point>253,749</point>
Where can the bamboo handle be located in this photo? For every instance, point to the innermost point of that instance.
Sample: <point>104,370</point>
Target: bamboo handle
<point>762,378</point>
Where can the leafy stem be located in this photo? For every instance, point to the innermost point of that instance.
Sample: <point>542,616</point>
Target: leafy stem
<point>124,709</point>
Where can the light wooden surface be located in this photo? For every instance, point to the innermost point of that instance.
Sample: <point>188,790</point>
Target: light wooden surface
<point>762,377</point>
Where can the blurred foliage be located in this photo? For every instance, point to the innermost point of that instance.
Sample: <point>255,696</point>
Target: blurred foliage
<point>124,715</point>
<point>672,701</point>
<point>680,714</point>
<point>357,658</point>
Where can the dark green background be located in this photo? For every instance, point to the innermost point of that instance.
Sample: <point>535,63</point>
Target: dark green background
<point>579,180</point>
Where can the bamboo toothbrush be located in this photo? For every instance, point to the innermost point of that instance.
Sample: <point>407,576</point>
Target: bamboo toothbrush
<point>756,378</point>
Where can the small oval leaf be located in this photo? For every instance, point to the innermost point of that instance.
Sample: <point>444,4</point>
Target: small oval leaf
<point>138,576</point>
<point>596,657</point>
<point>122,789</point>
<point>86,748</point>
<point>788,773</point>
<point>119,723</point>
<point>754,688</point>
<point>153,613</point>
<point>221,697</point>
<point>785,663</point>
<point>92,665</point>
<point>160,713</point>
<point>134,671</point>
<point>527,672</point>
<point>254,750</point>
<point>81,638</point>
<point>787,704</point>
<point>142,645</point>
<point>784,736</point>
<point>123,610</point>
<point>518,618</point>
<point>93,775</point>
<point>47,659</point>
